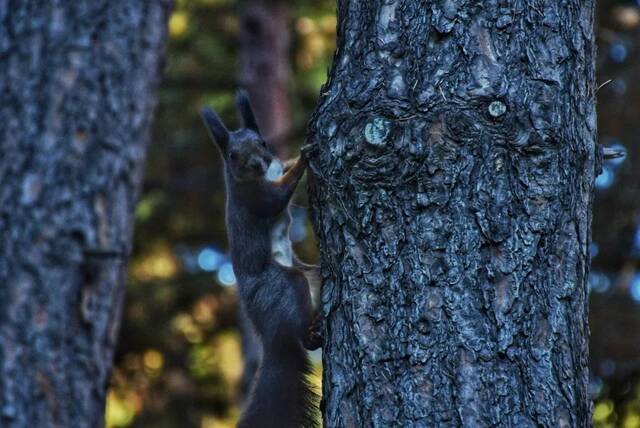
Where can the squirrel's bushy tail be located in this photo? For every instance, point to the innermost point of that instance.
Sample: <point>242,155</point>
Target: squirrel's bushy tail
<point>282,396</point>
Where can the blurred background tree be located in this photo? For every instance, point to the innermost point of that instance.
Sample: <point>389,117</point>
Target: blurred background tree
<point>77,94</point>
<point>179,362</point>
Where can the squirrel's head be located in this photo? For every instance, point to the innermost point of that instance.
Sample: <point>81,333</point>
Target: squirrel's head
<point>244,151</point>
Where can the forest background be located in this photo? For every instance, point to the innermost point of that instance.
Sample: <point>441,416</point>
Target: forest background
<point>178,362</point>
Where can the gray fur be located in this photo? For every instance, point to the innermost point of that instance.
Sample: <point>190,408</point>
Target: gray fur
<point>275,297</point>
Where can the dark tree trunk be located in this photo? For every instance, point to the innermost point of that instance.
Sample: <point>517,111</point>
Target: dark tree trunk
<point>452,160</point>
<point>76,100</point>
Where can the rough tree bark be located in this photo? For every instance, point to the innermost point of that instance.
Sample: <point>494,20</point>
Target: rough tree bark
<point>264,70</point>
<point>452,159</point>
<point>76,100</point>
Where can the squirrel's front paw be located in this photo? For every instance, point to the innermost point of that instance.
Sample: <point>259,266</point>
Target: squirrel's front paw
<point>314,338</point>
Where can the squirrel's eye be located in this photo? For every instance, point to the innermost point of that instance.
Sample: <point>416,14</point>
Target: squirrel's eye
<point>264,143</point>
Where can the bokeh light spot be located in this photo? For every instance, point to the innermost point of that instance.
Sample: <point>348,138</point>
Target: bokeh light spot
<point>594,250</point>
<point>153,360</point>
<point>605,179</point>
<point>178,24</point>
<point>209,259</point>
<point>632,421</point>
<point>599,282</point>
<point>618,52</point>
<point>634,288</point>
<point>226,276</point>
<point>602,411</point>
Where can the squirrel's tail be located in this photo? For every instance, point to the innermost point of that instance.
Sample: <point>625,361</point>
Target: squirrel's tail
<point>282,396</point>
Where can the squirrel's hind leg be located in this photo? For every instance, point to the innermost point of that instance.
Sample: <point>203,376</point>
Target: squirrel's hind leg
<point>310,333</point>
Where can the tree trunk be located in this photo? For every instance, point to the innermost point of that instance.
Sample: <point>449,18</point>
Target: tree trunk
<point>452,162</point>
<point>76,100</point>
<point>265,68</point>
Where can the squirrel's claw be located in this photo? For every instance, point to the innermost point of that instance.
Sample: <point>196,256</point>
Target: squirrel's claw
<point>314,337</point>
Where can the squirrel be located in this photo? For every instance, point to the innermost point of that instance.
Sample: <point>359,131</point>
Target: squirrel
<point>274,286</point>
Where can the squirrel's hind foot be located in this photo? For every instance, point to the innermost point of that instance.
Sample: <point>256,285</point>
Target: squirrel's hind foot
<point>314,338</point>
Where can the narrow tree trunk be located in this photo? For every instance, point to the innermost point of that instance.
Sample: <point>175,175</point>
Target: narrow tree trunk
<point>265,67</point>
<point>76,100</point>
<point>452,159</point>
<point>264,71</point>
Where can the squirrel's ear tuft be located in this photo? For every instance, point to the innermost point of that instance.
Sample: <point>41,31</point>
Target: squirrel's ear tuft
<point>217,131</point>
<point>246,112</point>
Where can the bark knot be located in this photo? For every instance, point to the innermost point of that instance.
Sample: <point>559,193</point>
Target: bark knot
<point>377,131</point>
